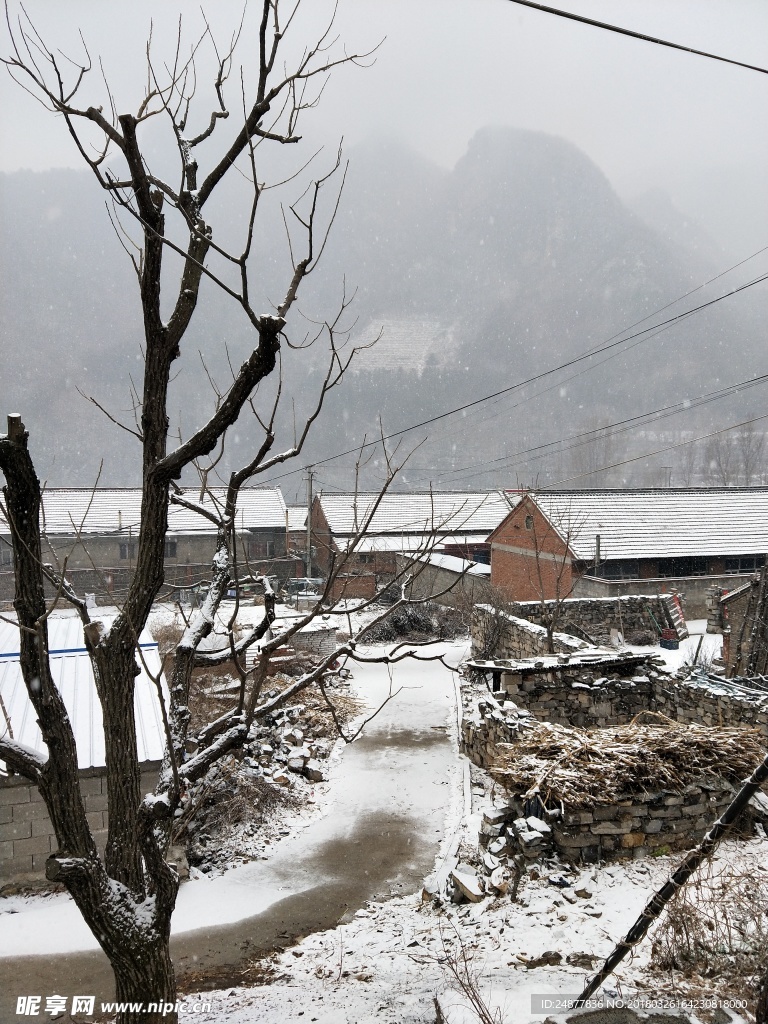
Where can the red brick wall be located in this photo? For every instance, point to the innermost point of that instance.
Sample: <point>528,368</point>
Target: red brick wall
<point>322,539</point>
<point>353,586</point>
<point>515,569</point>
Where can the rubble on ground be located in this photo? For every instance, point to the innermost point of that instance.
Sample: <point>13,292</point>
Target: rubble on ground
<point>247,798</point>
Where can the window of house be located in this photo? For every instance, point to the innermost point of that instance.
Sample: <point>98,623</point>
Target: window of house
<point>619,569</point>
<point>127,551</point>
<point>6,553</point>
<point>744,563</point>
<point>529,522</point>
<point>170,549</point>
<point>366,559</point>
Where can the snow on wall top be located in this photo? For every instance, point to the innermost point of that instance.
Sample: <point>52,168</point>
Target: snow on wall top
<point>675,522</point>
<point>476,512</point>
<point>118,510</point>
<point>71,669</point>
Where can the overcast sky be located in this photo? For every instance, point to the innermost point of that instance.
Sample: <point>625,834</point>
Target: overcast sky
<point>648,116</point>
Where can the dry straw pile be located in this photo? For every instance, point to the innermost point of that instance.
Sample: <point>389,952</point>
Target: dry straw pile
<point>582,768</point>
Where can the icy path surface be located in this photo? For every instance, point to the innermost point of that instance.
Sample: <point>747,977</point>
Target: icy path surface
<point>390,794</point>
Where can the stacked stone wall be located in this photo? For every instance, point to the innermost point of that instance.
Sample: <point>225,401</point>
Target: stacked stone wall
<point>515,637</point>
<point>635,824</point>
<point>596,615</point>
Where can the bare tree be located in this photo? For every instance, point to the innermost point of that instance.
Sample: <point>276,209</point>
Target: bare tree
<point>551,573</point>
<point>721,459</point>
<point>596,451</point>
<point>687,463</point>
<point>751,445</point>
<point>127,898</point>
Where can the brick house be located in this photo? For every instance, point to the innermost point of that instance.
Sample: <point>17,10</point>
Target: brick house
<point>531,556</point>
<point>97,531</point>
<point>602,543</point>
<point>451,522</point>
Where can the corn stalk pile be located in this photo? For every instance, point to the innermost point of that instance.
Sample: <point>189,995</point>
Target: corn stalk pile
<point>582,768</point>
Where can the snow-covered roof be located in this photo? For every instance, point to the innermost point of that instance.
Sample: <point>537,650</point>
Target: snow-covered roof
<point>71,668</point>
<point>661,523</point>
<point>414,542</point>
<point>476,512</point>
<point>297,518</point>
<point>118,509</point>
<point>457,565</point>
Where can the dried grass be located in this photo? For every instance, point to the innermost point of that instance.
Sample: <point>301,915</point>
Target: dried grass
<point>582,768</point>
<point>716,928</point>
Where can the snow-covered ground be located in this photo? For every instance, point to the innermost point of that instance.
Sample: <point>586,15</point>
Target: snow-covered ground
<point>390,962</point>
<point>711,646</point>
<point>390,957</point>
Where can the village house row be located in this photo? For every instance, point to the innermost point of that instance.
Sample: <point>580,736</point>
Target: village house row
<point>527,545</point>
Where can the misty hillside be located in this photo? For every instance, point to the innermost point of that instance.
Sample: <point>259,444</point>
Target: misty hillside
<point>517,260</point>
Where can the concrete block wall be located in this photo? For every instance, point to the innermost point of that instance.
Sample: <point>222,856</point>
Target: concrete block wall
<point>26,833</point>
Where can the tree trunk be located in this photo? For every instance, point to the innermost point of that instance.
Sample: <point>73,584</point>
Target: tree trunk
<point>144,978</point>
<point>761,1009</point>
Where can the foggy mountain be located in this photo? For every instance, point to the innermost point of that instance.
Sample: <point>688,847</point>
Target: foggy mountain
<point>518,259</point>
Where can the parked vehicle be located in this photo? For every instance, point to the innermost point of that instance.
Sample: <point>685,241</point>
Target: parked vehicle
<point>304,586</point>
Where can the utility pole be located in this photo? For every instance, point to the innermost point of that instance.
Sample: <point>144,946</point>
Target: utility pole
<point>309,520</point>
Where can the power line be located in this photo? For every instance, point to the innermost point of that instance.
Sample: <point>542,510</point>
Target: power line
<point>634,35</point>
<point>615,354</point>
<point>619,427</point>
<point>611,344</point>
<point>658,451</point>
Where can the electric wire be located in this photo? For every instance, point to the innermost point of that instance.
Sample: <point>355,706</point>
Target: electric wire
<point>619,427</point>
<point>644,37</point>
<point>612,343</point>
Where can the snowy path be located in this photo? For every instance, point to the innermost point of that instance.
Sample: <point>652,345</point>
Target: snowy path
<point>391,792</point>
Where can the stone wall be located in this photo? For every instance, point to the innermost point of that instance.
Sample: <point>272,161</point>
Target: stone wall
<point>26,833</point>
<point>636,824</point>
<point>577,696</point>
<point>514,637</point>
<point>629,615</point>
<point>580,696</point>
<point>693,590</point>
<point>453,589</point>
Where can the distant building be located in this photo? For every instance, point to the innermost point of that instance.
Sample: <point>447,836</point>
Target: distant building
<point>447,522</point>
<point>97,531</point>
<point>601,543</point>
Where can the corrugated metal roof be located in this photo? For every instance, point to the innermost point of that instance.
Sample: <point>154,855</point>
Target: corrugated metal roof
<point>71,669</point>
<point>116,510</point>
<point>422,512</point>
<point>664,523</point>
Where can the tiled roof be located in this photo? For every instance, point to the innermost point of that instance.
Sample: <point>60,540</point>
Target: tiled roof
<point>661,523</point>
<point>71,668</point>
<point>476,512</point>
<point>414,542</point>
<point>115,510</point>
